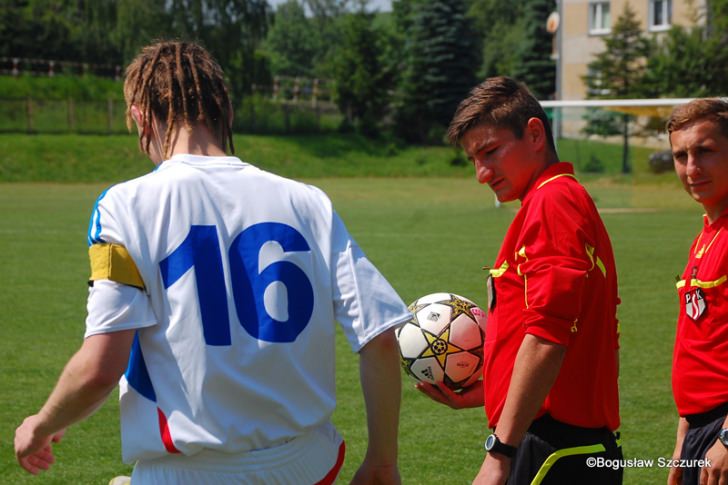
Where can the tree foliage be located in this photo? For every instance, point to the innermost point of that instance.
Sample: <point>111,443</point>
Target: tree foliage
<point>441,58</point>
<point>362,83</point>
<point>534,65</point>
<point>138,23</point>
<point>292,42</point>
<point>326,16</point>
<point>58,29</point>
<point>678,66</point>
<point>111,32</point>
<point>502,31</point>
<point>618,72</point>
<point>411,66</point>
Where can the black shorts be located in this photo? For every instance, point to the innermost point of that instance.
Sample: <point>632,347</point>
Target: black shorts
<point>702,434</point>
<point>553,452</point>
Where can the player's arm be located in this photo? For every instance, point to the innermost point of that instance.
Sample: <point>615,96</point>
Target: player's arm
<point>717,457</point>
<point>382,386</point>
<point>535,370</point>
<point>88,378</point>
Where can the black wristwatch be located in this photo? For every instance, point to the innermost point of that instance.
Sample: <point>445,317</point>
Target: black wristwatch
<point>723,437</point>
<point>494,445</point>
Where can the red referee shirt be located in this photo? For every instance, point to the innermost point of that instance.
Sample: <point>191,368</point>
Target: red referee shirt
<point>555,278</point>
<point>700,359</point>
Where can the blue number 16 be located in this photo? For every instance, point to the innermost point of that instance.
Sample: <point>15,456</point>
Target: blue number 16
<point>201,250</point>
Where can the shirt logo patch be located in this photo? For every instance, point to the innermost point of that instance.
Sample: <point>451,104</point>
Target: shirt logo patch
<point>695,303</point>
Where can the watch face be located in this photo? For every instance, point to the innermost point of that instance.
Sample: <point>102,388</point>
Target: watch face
<point>723,436</point>
<point>490,442</point>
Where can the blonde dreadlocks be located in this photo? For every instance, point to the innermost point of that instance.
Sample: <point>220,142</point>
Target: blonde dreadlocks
<point>178,82</point>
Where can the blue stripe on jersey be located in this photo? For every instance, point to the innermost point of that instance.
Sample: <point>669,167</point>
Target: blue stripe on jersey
<point>94,224</point>
<point>136,373</point>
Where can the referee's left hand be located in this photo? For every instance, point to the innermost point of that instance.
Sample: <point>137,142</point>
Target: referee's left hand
<point>470,397</point>
<point>717,472</point>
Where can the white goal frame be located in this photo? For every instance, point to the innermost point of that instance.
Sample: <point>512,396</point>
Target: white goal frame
<point>631,106</point>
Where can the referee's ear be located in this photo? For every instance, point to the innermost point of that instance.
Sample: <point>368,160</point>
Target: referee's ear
<point>535,134</point>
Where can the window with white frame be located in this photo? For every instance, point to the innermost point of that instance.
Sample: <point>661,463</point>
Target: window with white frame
<point>599,17</point>
<point>660,14</point>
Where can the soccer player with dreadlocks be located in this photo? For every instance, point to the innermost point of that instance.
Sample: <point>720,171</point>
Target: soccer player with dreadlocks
<point>213,294</point>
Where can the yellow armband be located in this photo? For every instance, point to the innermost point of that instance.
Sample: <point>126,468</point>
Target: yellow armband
<point>113,262</point>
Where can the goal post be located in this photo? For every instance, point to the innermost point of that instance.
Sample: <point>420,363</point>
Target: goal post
<point>620,124</point>
<point>655,107</point>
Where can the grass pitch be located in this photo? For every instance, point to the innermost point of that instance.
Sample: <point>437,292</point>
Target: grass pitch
<point>425,235</point>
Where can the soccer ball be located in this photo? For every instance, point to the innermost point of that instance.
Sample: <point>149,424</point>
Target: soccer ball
<point>443,341</point>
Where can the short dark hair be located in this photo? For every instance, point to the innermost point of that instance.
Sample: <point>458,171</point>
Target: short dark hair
<point>711,109</point>
<point>502,102</point>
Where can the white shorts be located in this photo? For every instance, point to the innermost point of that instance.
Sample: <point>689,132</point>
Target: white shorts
<point>314,458</point>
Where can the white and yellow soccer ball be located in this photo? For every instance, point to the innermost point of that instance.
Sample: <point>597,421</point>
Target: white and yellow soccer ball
<point>443,341</point>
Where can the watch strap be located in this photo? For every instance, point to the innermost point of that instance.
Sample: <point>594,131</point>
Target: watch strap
<point>494,445</point>
<point>723,437</point>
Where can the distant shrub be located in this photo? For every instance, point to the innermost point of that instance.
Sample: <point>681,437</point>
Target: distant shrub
<point>594,165</point>
<point>259,114</point>
<point>79,88</point>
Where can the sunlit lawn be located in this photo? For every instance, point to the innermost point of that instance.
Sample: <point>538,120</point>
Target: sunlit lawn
<point>425,235</point>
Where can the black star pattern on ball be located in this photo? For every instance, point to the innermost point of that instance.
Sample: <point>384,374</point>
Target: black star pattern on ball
<point>459,307</point>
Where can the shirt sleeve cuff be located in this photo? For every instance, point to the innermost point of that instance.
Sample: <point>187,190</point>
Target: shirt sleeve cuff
<point>554,330</point>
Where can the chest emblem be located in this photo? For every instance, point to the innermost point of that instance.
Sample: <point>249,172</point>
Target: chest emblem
<point>695,305</point>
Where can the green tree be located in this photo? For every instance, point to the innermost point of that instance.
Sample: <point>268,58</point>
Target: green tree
<point>59,30</point>
<point>362,82</point>
<point>441,58</point>
<point>93,21</point>
<point>503,30</point>
<point>326,16</point>
<point>39,29</point>
<point>138,23</point>
<point>717,17</point>
<point>240,26</point>
<point>715,50</point>
<point>292,41</point>
<point>534,65</point>
<point>689,61</point>
<point>618,72</point>
<point>678,66</point>
<point>232,30</point>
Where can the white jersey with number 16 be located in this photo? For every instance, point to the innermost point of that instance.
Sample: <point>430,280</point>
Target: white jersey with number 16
<point>242,275</point>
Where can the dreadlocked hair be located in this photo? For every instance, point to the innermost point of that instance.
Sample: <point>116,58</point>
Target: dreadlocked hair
<point>178,82</point>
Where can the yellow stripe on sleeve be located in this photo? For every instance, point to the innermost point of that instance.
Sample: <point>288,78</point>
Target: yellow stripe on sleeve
<point>113,262</point>
<point>703,284</point>
<point>595,260</point>
<point>497,273</point>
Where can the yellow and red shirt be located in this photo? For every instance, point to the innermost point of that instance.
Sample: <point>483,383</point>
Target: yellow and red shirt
<point>555,278</point>
<point>700,358</point>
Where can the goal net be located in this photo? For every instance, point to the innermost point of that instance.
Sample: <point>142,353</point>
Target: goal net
<point>613,136</point>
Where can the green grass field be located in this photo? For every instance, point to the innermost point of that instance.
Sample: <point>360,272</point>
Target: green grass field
<point>425,235</point>
<point>105,159</point>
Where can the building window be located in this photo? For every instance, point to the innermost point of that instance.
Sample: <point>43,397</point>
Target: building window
<point>599,18</point>
<point>660,14</point>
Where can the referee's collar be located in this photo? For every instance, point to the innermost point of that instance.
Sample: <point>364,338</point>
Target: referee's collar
<point>552,172</point>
